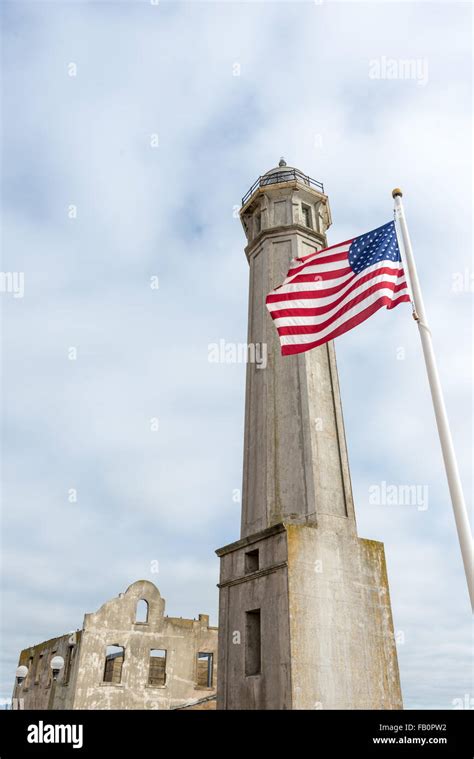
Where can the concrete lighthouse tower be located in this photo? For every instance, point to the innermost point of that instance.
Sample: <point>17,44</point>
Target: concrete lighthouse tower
<point>304,609</point>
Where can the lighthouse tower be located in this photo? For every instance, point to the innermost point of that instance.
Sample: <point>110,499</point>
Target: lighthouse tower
<point>305,619</point>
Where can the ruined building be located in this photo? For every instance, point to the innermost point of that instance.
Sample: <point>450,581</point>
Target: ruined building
<point>128,655</point>
<point>305,620</point>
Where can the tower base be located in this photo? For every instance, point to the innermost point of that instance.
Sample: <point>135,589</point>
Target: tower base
<point>305,622</point>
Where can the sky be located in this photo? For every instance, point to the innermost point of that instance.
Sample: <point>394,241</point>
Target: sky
<point>130,132</point>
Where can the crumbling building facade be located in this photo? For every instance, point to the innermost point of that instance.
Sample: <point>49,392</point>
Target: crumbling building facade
<point>128,655</point>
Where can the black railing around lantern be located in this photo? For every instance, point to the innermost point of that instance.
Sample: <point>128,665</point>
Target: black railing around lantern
<point>285,175</point>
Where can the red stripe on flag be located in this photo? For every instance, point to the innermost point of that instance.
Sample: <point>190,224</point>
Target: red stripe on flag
<point>324,309</point>
<point>289,350</point>
<point>308,329</point>
<point>322,276</point>
<point>323,250</point>
<point>324,292</point>
<point>317,261</point>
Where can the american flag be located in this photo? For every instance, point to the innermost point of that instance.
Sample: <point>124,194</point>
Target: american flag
<point>333,290</point>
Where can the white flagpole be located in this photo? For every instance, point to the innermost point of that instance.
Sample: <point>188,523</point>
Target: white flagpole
<point>450,463</point>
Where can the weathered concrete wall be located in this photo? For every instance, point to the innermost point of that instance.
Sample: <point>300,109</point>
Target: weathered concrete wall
<point>38,690</point>
<point>327,637</point>
<point>343,653</point>
<point>114,624</point>
<point>240,591</point>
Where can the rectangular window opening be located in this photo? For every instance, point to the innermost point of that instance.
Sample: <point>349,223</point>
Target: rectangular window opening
<point>251,561</point>
<point>113,664</point>
<point>253,643</point>
<point>307,217</point>
<point>204,670</point>
<point>39,668</point>
<point>67,664</point>
<point>157,667</point>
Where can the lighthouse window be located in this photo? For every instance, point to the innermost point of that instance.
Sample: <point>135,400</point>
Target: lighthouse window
<point>307,218</point>
<point>258,222</point>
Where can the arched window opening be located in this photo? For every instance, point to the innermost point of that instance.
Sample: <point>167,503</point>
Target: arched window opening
<point>141,614</point>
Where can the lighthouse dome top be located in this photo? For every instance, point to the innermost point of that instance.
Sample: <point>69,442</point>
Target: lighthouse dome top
<point>279,174</point>
<point>281,168</point>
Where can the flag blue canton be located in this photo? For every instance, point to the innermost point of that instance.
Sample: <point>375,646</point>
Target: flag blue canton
<point>379,245</point>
